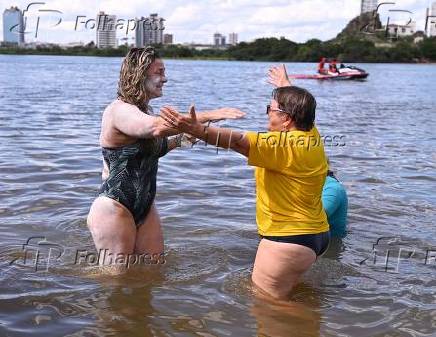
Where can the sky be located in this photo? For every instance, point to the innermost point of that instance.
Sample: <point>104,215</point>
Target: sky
<point>197,21</point>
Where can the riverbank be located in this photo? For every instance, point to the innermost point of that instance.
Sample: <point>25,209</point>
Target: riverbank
<point>423,62</point>
<point>353,50</point>
<point>103,53</point>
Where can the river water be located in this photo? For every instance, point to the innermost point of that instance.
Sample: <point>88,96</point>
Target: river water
<point>380,280</point>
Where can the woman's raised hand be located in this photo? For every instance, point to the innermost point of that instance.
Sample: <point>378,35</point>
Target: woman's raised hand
<point>278,77</point>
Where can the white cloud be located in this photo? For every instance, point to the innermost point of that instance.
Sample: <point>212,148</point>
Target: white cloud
<point>185,15</point>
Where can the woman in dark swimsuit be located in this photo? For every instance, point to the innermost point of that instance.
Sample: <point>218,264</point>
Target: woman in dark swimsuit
<point>123,220</point>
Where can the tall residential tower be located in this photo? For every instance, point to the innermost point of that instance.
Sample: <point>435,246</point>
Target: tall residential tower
<point>149,30</point>
<point>13,26</point>
<point>106,31</point>
<point>219,40</point>
<point>233,39</point>
<point>432,21</point>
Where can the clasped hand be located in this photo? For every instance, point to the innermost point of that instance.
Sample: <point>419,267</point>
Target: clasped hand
<point>184,123</point>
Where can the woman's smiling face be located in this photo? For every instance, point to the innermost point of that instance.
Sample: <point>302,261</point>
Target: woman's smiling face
<point>155,79</point>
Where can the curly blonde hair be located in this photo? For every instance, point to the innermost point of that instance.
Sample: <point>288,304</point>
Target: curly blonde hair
<point>131,86</point>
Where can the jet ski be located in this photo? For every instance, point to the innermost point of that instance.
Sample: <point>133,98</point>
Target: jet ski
<point>343,73</point>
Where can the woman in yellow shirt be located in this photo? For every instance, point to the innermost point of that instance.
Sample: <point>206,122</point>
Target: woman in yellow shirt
<point>291,168</point>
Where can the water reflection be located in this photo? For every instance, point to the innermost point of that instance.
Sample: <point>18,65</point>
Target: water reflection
<point>335,250</point>
<point>127,305</point>
<point>301,316</point>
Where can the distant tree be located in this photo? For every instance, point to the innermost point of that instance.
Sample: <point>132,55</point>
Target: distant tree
<point>356,50</point>
<point>404,52</point>
<point>428,48</point>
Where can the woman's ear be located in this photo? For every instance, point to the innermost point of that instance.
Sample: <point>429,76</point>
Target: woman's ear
<point>287,124</point>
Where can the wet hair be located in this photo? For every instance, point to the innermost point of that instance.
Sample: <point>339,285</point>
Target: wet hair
<point>299,104</point>
<point>131,85</point>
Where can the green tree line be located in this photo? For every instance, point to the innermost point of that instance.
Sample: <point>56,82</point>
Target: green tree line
<point>272,49</point>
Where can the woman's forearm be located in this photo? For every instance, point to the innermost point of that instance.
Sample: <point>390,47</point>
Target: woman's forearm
<point>219,114</point>
<point>204,117</point>
<point>225,138</point>
<point>222,137</point>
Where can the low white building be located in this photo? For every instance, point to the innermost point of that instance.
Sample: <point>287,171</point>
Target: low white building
<point>398,30</point>
<point>418,39</point>
<point>72,45</point>
<point>200,46</point>
<point>38,44</point>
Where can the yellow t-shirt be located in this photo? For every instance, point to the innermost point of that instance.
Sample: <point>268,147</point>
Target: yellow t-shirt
<point>291,168</point>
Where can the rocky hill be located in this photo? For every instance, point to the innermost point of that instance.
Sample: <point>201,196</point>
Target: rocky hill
<point>362,27</point>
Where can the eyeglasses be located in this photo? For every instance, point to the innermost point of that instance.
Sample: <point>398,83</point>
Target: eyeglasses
<point>268,109</point>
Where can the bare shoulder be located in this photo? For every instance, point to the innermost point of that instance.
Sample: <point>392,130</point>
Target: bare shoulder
<point>118,106</point>
<point>107,116</point>
<point>110,136</point>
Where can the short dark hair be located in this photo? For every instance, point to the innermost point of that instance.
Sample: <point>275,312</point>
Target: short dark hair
<point>299,104</point>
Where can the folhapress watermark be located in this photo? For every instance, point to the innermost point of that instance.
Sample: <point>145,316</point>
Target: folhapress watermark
<point>37,13</point>
<point>40,254</point>
<point>390,254</point>
<point>105,257</point>
<point>287,139</point>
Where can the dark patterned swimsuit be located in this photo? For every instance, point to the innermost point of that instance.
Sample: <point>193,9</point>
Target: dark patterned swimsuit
<point>132,174</point>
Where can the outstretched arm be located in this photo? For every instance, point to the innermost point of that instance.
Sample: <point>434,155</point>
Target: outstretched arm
<point>278,77</point>
<point>219,114</point>
<point>131,121</point>
<point>221,137</point>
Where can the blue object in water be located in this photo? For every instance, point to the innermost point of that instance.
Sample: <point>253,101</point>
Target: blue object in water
<point>335,202</point>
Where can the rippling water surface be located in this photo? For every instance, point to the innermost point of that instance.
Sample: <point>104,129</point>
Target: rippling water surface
<point>378,281</point>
